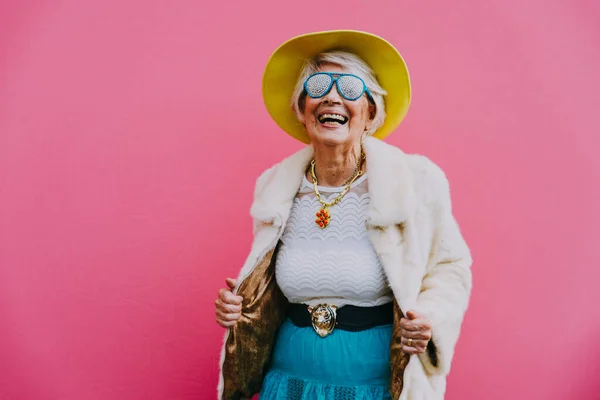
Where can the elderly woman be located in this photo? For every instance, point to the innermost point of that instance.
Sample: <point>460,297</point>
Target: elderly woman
<point>358,277</point>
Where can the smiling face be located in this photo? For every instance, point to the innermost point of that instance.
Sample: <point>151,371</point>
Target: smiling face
<point>332,120</point>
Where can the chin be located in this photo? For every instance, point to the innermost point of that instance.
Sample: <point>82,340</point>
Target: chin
<point>332,137</point>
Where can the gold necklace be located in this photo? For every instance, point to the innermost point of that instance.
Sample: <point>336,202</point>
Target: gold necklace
<point>349,180</point>
<point>323,216</point>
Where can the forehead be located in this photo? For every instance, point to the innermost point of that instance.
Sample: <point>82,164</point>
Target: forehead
<point>328,67</point>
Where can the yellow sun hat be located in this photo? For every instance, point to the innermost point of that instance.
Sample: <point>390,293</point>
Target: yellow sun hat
<point>284,67</point>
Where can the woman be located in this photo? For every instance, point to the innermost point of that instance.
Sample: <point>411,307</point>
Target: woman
<point>358,277</point>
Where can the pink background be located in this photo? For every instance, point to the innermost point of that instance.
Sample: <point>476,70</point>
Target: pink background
<point>131,133</point>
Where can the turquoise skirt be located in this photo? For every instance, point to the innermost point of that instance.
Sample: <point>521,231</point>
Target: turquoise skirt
<point>342,366</point>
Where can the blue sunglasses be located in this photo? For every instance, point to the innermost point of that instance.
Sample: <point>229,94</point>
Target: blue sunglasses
<point>350,87</point>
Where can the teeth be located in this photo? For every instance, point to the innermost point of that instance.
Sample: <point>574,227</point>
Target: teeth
<point>338,117</point>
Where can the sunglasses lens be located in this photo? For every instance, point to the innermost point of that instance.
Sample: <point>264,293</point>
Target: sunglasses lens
<point>317,85</point>
<point>351,87</point>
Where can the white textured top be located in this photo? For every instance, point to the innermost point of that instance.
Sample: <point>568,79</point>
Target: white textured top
<point>336,265</point>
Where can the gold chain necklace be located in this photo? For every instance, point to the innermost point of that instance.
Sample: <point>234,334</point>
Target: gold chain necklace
<point>349,180</point>
<point>323,216</point>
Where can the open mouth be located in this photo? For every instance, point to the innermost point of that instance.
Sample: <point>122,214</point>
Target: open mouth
<point>333,119</point>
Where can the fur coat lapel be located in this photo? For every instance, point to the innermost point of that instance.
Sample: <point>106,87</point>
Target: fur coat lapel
<point>392,201</point>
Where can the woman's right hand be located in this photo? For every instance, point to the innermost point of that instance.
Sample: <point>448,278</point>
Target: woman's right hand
<point>228,306</point>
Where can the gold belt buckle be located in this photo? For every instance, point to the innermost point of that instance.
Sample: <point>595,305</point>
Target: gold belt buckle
<point>323,318</point>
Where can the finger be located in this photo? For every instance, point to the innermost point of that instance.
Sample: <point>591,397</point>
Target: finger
<point>409,325</point>
<point>414,315</point>
<point>415,325</point>
<point>412,350</point>
<point>231,283</point>
<point>228,316</point>
<point>226,324</point>
<point>405,323</point>
<point>409,349</point>
<point>222,320</point>
<point>227,297</point>
<point>416,335</point>
<point>416,343</point>
<point>228,308</point>
<point>416,346</point>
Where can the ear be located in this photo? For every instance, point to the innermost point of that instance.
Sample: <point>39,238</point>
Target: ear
<point>372,111</point>
<point>300,113</point>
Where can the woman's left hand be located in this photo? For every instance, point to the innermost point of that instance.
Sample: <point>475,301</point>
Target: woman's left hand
<point>416,333</point>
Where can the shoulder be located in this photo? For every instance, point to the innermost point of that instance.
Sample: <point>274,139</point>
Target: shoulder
<point>426,172</point>
<point>421,168</point>
<point>289,169</point>
<point>277,186</point>
<point>264,178</point>
<point>428,180</point>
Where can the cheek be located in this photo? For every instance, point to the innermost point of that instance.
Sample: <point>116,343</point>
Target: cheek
<point>309,120</point>
<point>308,113</point>
<point>360,113</point>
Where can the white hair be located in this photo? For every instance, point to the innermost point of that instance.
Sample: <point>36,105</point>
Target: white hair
<point>351,64</point>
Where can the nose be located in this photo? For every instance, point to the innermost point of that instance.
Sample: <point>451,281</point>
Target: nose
<point>333,96</point>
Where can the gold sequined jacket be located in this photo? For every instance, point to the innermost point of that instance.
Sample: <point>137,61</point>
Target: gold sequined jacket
<point>415,235</point>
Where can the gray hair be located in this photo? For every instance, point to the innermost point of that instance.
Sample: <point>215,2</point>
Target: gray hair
<point>352,64</point>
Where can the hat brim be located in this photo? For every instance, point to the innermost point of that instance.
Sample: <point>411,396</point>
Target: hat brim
<point>284,67</point>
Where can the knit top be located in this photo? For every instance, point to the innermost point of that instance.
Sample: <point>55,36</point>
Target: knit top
<point>335,265</point>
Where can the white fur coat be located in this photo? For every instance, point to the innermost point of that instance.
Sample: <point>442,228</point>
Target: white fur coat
<point>415,235</point>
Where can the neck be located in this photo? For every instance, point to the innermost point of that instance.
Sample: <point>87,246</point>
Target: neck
<point>335,165</point>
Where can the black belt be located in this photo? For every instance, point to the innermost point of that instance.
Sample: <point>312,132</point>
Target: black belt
<point>324,319</point>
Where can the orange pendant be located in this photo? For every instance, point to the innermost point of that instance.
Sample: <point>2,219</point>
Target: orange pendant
<point>323,218</point>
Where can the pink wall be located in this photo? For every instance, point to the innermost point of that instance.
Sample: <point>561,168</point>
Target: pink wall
<point>131,133</point>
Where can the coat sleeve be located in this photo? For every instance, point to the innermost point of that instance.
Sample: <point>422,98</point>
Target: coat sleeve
<point>446,286</point>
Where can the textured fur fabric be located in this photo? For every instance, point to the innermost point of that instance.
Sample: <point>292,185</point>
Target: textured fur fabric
<point>415,235</point>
